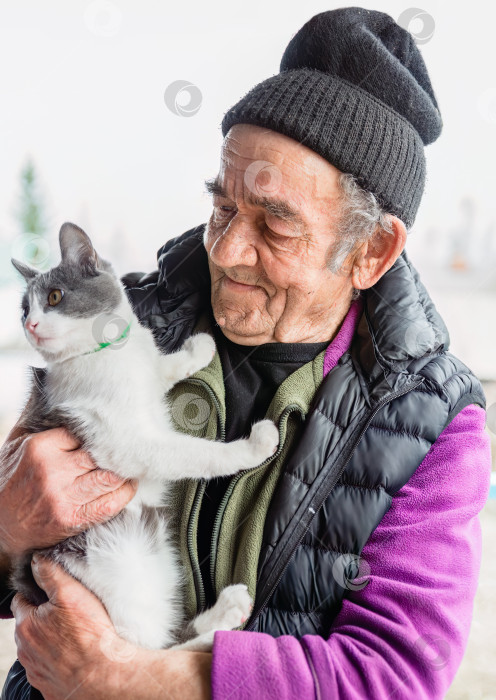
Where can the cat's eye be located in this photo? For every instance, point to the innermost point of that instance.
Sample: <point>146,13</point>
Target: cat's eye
<point>55,296</point>
<point>25,312</point>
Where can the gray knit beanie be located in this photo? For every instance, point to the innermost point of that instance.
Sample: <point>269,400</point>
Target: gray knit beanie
<point>354,88</point>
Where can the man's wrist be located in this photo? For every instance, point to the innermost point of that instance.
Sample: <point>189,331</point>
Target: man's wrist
<point>168,673</point>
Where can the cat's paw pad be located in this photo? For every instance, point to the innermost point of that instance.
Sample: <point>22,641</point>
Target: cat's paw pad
<point>264,437</point>
<point>236,605</point>
<point>201,348</point>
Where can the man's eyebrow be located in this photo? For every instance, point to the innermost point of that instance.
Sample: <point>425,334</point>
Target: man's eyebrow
<point>214,187</point>
<point>277,207</point>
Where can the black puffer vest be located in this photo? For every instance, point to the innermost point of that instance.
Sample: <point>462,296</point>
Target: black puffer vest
<point>370,425</point>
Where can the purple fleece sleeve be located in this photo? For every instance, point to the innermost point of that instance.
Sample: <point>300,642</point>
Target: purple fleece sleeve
<point>403,635</point>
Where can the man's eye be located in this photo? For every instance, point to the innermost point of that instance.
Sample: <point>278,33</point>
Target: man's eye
<point>224,212</point>
<point>276,236</point>
<point>271,232</point>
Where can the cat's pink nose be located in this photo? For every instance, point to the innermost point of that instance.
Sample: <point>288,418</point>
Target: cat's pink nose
<point>31,326</point>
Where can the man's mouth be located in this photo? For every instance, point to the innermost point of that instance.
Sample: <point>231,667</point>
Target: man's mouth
<point>238,286</point>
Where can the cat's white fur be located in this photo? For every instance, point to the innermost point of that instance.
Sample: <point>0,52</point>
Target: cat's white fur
<point>138,440</point>
<point>117,394</point>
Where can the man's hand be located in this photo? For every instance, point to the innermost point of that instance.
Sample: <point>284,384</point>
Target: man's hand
<point>60,643</point>
<point>69,648</point>
<point>54,490</point>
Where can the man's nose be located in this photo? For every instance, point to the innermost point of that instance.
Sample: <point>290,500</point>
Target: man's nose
<point>31,325</point>
<point>236,245</point>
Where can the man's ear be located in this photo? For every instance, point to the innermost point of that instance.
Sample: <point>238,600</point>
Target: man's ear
<point>27,272</point>
<point>377,255</point>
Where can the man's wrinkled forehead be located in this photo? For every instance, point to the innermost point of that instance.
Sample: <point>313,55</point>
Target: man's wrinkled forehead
<point>256,157</point>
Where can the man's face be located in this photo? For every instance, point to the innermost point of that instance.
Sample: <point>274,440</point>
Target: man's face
<point>275,209</point>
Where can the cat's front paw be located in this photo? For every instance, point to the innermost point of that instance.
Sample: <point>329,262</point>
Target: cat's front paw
<point>264,440</point>
<point>201,350</point>
<point>235,605</point>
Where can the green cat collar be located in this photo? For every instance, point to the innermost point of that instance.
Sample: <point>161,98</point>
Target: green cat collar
<point>101,346</point>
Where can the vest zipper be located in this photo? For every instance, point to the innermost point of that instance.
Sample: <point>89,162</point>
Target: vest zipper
<point>193,556</point>
<point>315,506</point>
<point>220,513</point>
<point>195,566</point>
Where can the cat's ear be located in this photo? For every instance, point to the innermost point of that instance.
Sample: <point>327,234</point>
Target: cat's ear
<point>76,249</point>
<point>27,272</point>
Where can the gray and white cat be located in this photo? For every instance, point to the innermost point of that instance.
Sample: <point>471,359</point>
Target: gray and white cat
<point>111,396</point>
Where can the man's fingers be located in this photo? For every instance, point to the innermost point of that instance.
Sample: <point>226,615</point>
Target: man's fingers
<point>83,460</point>
<point>94,484</point>
<point>108,505</point>
<point>20,606</point>
<point>50,577</point>
<point>64,439</point>
<point>43,447</point>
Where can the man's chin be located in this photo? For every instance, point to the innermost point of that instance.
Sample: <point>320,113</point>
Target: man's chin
<point>239,327</point>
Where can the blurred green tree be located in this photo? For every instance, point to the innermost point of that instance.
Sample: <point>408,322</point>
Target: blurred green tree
<point>31,245</point>
<point>30,212</point>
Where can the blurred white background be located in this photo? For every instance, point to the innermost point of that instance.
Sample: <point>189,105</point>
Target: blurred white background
<point>82,94</point>
<point>83,86</point>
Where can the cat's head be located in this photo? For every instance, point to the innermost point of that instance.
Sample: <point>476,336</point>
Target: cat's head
<point>64,309</point>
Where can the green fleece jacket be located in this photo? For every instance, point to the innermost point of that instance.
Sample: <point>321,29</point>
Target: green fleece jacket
<point>198,408</point>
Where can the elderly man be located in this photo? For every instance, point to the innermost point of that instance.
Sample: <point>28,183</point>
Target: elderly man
<point>359,539</point>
